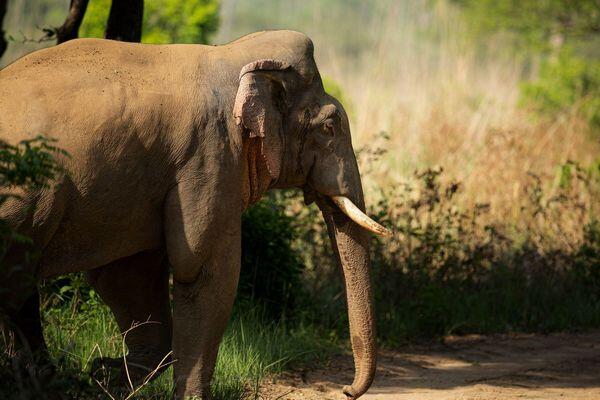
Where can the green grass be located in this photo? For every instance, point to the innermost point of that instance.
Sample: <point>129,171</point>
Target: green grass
<point>251,349</point>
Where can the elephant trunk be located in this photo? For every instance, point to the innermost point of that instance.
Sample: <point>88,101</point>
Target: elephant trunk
<point>351,245</point>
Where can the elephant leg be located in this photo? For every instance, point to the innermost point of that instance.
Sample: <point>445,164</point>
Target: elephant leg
<point>201,312</point>
<point>136,289</point>
<point>28,321</point>
<point>204,249</point>
<point>20,325</point>
<point>21,336</point>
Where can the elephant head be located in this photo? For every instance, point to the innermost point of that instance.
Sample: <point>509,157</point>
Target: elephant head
<point>296,135</point>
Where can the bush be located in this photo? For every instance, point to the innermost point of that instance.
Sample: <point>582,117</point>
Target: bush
<point>563,35</point>
<point>565,83</point>
<point>452,271</point>
<point>24,167</point>
<point>334,89</point>
<point>452,268</point>
<point>271,268</point>
<point>29,165</point>
<point>165,21</point>
<point>176,21</point>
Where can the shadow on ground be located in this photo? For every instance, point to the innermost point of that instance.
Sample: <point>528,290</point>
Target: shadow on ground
<point>557,366</point>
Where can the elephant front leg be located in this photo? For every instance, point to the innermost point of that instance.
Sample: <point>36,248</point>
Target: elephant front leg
<point>204,248</point>
<point>201,311</point>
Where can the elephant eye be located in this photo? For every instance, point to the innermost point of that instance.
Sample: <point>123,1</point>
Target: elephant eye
<point>328,125</point>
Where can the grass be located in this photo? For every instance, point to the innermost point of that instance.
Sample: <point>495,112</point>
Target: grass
<point>252,348</point>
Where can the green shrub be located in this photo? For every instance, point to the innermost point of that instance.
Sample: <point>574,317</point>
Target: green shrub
<point>563,35</point>
<point>29,165</point>
<point>564,83</point>
<point>177,21</point>
<point>24,167</point>
<point>534,22</point>
<point>165,21</point>
<point>451,271</point>
<point>334,89</point>
<point>271,268</point>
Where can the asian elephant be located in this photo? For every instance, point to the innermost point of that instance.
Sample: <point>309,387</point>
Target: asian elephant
<point>167,145</point>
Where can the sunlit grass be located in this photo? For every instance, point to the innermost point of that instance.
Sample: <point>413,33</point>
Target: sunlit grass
<point>251,349</point>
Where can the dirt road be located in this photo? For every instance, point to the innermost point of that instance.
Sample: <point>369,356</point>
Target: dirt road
<point>558,366</point>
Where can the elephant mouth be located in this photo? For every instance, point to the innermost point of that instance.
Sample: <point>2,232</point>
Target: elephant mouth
<point>360,218</point>
<point>350,210</point>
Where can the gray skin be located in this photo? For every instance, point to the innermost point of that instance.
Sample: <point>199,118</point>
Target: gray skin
<point>167,146</point>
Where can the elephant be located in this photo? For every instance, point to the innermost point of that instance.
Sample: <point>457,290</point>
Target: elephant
<point>165,147</point>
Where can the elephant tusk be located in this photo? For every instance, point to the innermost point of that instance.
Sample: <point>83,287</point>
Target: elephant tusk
<point>356,215</point>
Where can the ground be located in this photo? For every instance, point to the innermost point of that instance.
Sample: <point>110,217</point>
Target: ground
<point>557,366</point>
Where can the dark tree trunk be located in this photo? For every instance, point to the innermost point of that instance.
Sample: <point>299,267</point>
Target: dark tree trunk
<point>125,20</point>
<point>70,28</point>
<point>3,43</point>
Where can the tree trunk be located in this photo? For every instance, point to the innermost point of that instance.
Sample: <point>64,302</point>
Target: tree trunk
<point>3,43</point>
<point>125,20</point>
<point>70,28</point>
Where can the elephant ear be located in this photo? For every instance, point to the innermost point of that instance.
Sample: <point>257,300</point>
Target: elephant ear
<point>259,107</point>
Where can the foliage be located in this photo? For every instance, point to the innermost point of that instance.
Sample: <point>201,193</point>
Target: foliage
<point>535,22</point>
<point>24,167</point>
<point>452,269</point>
<point>94,21</point>
<point>565,83</point>
<point>271,268</point>
<point>28,165</point>
<point>80,328</point>
<point>165,21</point>
<point>335,90</point>
<point>564,35</point>
<point>453,272</point>
<point>176,21</point>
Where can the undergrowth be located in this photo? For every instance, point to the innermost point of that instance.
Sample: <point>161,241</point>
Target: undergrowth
<point>80,328</point>
<point>451,269</point>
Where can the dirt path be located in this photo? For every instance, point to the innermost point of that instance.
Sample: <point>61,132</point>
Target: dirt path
<point>559,366</point>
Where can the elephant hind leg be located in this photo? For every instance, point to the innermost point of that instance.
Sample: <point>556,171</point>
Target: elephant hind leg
<point>20,325</point>
<point>136,289</point>
<point>29,323</point>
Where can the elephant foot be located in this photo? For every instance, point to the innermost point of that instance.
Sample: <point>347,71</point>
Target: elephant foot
<point>118,377</point>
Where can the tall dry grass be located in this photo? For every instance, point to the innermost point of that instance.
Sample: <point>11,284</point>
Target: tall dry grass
<point>442,97</point>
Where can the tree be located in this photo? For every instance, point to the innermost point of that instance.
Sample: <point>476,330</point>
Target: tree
<point>164,21</point>
<point>540,24</point>
<point>124,21</point>
<point>70,28</point>
<point>177,21</point>
<point>3,43</point>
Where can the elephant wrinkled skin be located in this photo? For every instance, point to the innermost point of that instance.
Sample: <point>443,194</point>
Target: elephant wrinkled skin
<point>167,145</point>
